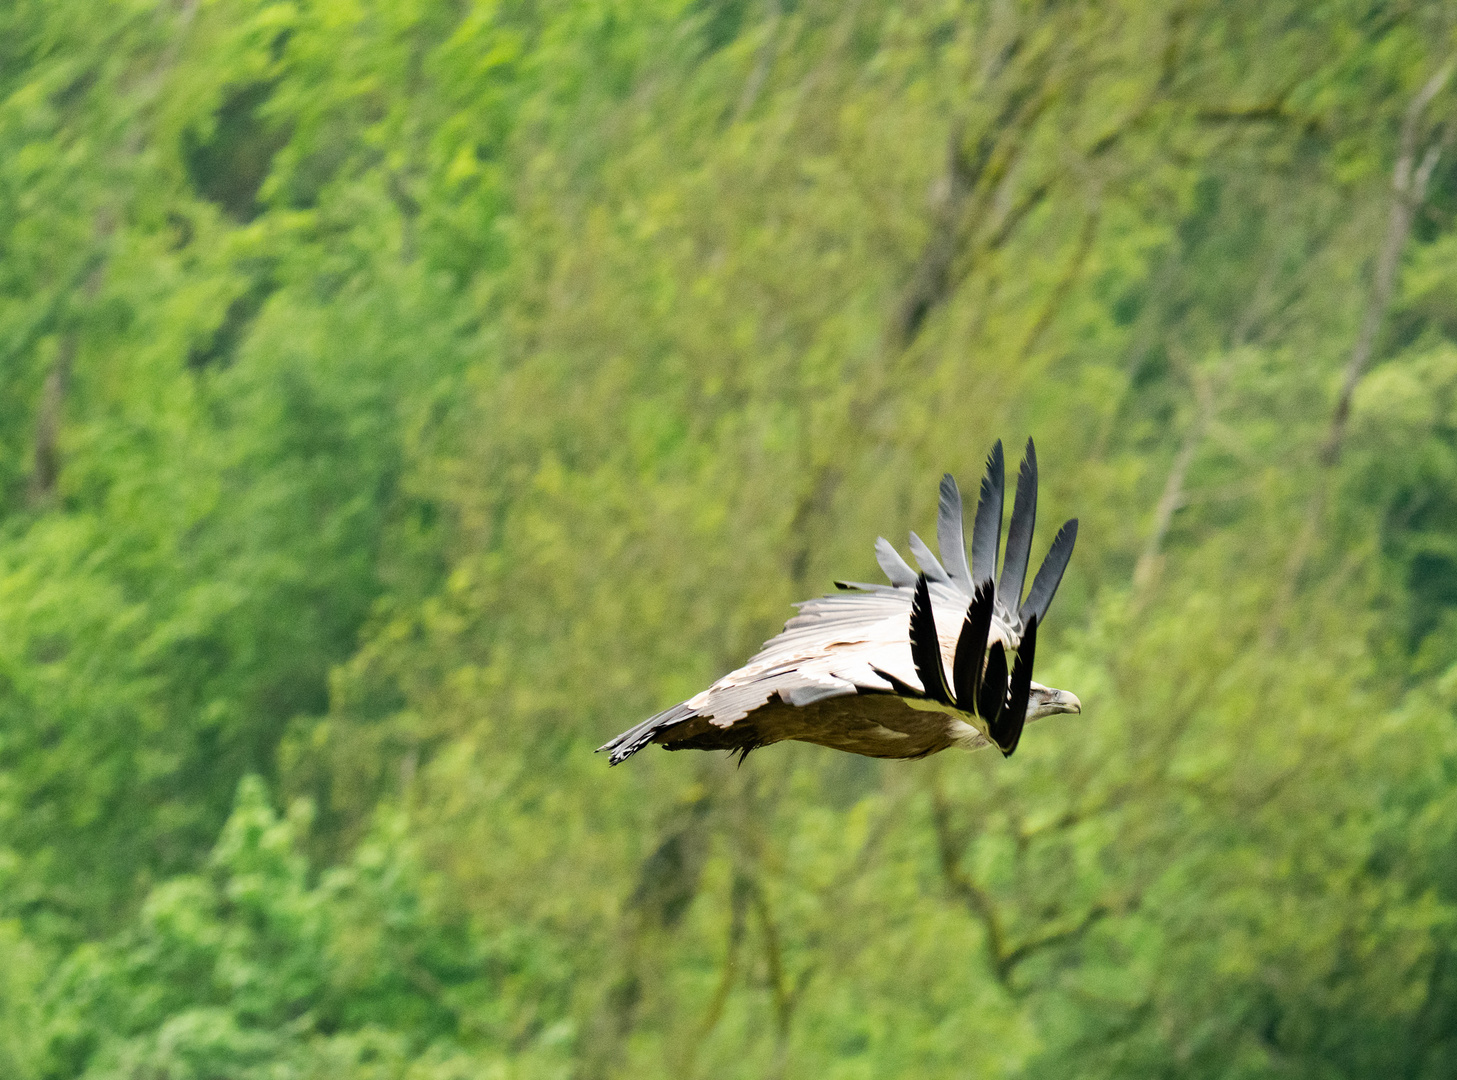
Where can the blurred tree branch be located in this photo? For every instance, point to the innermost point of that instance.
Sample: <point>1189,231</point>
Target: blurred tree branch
<point>738,908</point>
<point>1408,190</point>
<point>46,470</point>
<point>1207,388</point>
<point>1002,957</point>
<point>977,163</point>
<point>1082,247</point>
<point>763,60</point>
<point>1028,77</point>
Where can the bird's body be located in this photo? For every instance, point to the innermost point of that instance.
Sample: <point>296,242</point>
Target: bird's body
<point>874,725</point>
<point>854,670</point>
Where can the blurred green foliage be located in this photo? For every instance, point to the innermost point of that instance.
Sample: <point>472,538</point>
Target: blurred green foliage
<point>399,399</point>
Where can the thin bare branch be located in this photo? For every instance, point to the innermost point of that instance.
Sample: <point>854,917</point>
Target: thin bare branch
<point>1002,959</point>
<point>763,61</point>
<point>1051,938</point>
<point>976,168</point>
<point>1408,190</point>
<point>948,846</point>
<point>1207,389</point>
<point>46,470</point>
<point>738,909</point>
<point>1145,572</point>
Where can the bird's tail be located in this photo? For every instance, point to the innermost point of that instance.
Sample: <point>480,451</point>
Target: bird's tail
<point>635,738</point>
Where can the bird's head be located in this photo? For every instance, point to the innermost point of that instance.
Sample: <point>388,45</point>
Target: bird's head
<point>1046,701</point>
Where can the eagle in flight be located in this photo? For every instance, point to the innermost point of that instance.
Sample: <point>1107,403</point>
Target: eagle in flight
<point>935,659</point>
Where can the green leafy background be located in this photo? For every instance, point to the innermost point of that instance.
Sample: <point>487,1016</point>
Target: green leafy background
<point>398,398</point>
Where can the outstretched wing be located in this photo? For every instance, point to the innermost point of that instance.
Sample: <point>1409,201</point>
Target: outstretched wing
<point>848,643</point>
<point>859,641</point>
<point>853,642</point>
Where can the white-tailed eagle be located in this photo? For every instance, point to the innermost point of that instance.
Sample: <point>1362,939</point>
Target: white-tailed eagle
<point>935,659</point>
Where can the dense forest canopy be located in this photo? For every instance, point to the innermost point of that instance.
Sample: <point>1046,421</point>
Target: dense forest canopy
<point>397,399</point>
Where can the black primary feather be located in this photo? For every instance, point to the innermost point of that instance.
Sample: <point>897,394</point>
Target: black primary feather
<point>926,646</point>
<point>949,536</point>
<point>1019,533</point>
<point>971,648</point>
<point>993,693</point>
<point>1049,576</point>
<point>743,751</point>
<point>986,531</point>
<point>1019,692</point>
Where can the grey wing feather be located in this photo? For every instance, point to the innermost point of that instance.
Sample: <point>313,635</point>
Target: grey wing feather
<point>929,563</point>
<point>896,568</point>
<point>949,536</point>
<point>1049,575</point>
<point>808,695</point>
<point>986,530</point>
<point>1019,534</point>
